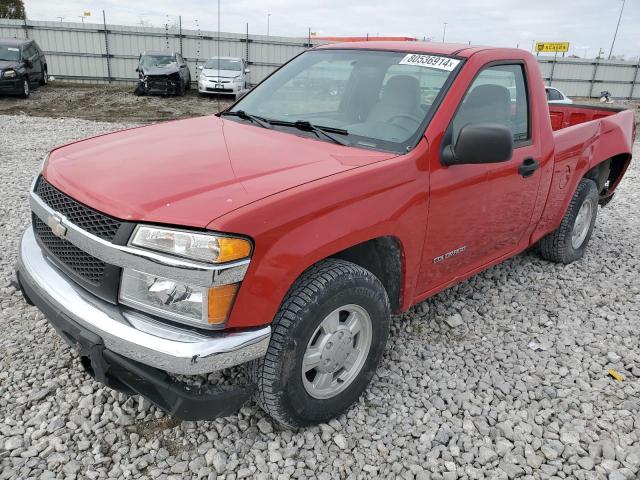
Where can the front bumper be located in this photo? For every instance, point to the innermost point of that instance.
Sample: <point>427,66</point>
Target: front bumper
<point>10,86</point>
<point>159,86</point>
<point>213,87</point>
<point>132,352</point>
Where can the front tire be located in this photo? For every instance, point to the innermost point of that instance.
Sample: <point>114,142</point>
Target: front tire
<point>327,341</point>
<point>45,77</point>
<point>569,241</point>
<point>25,91</point>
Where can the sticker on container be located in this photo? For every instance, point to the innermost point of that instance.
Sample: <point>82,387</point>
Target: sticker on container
<point>430,61</point>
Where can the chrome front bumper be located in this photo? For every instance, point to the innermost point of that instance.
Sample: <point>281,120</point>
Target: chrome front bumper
<point>132,334</point>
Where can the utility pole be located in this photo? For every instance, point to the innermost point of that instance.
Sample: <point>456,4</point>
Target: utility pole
<point>61,18</point>
<point>444,31</point>
<point>616,32</point>
<point>268,21</point>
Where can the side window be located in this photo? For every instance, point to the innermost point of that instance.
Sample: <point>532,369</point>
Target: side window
<point>31,51</point>
<point>497,95</point>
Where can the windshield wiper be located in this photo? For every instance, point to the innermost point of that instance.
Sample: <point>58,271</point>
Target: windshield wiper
<point>319,130</point>
<point>247,116</point>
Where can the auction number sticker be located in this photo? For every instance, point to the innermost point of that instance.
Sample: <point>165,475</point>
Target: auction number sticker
<point>11,49</point>
<point>430,61</point>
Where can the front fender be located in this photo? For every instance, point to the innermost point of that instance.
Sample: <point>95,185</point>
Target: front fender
<point>295,229</point>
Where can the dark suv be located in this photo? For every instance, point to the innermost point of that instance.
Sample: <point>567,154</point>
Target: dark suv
<point>22,65</point>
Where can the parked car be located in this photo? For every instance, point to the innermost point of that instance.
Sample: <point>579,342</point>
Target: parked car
<point>22,66</point>
<point>283,232</point>
<point>223,75</point>
<point>163,73</point>
<point>556,96</point>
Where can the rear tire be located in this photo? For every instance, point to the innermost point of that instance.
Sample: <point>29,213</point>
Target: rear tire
<point>569,241</point>
<point>336,320</point>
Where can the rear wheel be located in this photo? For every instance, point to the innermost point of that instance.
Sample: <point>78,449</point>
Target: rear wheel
<point>328,339</point>
<point>569,241</point>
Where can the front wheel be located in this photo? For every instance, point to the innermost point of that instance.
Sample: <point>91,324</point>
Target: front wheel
<point>569,241</point>
<point>327,341</point>
<point>25,90</point>
<point>45,77</point>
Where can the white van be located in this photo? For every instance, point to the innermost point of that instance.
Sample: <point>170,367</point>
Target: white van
<point>223,75</point>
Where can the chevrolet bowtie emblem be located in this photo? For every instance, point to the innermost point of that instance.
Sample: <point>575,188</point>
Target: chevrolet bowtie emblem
<point>55,224</point>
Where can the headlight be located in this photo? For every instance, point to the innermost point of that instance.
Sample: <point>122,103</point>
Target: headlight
<point>200,306</point>
<point>195,246</point>
<point>202,76</point>
<point>9,74</point>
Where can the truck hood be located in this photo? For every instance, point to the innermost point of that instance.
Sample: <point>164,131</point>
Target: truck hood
<point>190,172</point>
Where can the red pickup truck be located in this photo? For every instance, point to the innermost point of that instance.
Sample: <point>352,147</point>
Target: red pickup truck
<point>354,182</point>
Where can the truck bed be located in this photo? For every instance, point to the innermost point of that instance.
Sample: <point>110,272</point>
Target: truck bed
<point>563,116</point>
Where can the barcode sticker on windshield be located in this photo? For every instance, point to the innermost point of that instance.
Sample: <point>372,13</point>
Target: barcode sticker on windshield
<point>430,61</point>
<point>11,49</point>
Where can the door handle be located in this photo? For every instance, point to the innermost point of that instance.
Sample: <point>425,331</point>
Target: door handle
<point>528,167</point>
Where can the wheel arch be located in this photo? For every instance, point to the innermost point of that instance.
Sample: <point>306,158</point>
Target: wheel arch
<point>383,257</point>
<point>608,174</point>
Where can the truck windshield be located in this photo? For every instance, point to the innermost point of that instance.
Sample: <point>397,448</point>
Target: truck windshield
<point>233,64</point>
<point>10,54</point>
<point>375,99</point>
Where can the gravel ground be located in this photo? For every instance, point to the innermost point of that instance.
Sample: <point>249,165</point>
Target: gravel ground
<point>503,376</point>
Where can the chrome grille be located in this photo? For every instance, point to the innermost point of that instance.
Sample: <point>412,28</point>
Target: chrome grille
<point>84,217</point>
<point>86,266</point>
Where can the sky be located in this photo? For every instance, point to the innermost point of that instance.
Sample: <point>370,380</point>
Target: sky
<point>587,24</point>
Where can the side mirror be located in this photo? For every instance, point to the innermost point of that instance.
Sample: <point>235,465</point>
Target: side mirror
<point>28,63</point>
<point>200,67</point>
<point>246,70</point>
<point>138,69</point>
<point>480,143</point>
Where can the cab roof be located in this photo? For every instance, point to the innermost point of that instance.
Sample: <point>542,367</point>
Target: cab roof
<point>454,49</point>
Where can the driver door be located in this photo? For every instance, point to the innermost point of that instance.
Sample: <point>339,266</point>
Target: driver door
<point>479,213</point>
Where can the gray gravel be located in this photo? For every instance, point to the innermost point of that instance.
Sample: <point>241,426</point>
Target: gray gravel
<point>504,376</point>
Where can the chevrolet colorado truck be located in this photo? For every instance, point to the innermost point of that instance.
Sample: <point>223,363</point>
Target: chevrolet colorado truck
<point>354,182</point>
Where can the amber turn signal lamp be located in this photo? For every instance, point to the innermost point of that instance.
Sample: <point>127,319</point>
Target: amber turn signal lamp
<point>232,249</point>
<point>220,302</point>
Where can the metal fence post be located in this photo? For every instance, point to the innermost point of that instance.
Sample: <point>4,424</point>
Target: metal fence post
<point>180,33</point>
<point>593,77</point>
<point>106,46</point>
<point>246,45</point>
<point>634,81</point>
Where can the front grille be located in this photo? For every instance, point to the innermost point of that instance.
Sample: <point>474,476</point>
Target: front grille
<point>84,217</point>
<point>86,266</point>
